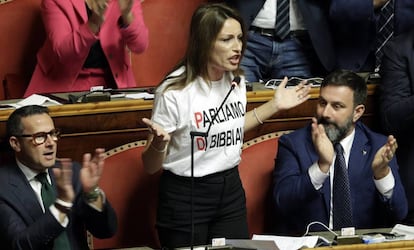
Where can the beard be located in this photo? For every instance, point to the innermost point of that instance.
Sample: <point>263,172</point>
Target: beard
<point>334,131</point>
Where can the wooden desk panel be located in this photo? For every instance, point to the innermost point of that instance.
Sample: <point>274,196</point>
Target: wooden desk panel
<point>110,124</point>
<point>400,245</point>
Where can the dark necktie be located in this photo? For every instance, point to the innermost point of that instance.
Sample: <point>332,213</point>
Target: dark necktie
<point>48,198</point>
<point>385,32</point>
<point>282,25</point>
<point>342,207</point>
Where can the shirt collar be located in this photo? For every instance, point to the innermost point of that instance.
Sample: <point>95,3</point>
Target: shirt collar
<point>346,143</point>
<point>29,173</point>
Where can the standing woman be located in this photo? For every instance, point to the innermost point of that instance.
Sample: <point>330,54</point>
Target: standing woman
<point>187,100</point>
<point>88,43</point>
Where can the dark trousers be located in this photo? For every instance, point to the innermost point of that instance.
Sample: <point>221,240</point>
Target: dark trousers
<point>219,209</point>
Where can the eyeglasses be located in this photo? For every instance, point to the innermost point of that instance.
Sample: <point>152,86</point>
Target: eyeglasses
<point>41,137</point>
<point>293,81</point>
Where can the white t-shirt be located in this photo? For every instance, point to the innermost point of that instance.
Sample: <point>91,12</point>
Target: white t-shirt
<point>191,109</point>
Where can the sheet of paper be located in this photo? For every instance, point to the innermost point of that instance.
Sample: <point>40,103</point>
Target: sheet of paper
<point>408,231</point>
<point>253,244</point>
<point>35,99</point>
<point>140,96</point>
<point>289,243</point>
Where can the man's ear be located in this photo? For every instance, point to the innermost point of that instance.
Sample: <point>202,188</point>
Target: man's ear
<point>14,143</point>
<point>358,112</point>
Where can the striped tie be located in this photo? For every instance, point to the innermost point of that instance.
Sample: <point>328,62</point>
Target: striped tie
<point>385,30</point>
<point>282,25</point>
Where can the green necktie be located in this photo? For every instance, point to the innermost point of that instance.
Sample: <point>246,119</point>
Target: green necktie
<point>48,198</point>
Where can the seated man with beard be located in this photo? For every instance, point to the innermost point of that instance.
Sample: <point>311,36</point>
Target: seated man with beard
<point>307,185</point>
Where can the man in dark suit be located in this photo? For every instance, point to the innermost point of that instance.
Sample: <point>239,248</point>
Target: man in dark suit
<point>45,202</point>
<point>354,29</point>
<point>404,16</point>
<point>304,169</point>
<point>396,107</point>
<point>340,35</point>
<point>306,51</point>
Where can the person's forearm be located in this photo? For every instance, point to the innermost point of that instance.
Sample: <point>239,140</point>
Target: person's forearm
<point>153,158</point>
<point>136,32</point>
<point>258,115</point>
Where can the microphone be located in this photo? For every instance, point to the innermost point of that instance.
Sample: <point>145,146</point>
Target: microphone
<point>234,83</point>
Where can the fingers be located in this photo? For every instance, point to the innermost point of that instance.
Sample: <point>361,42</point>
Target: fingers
<point>147,122</point>
<point>317,129</point>
<point>150,124</point>
<point>99,6</point>
<point>302,91</point>
<point>390,148</point>
<point>63,173</point>
<point>66,170</point>
<point>102,5</point>
<point>392,142</point>
<point>86,159</point>
<point>97,158</point>
<point>153,127</point>
<point>314,123</point>
<point>100,159</point>
<point>92,167</point>
<point>284,82</point>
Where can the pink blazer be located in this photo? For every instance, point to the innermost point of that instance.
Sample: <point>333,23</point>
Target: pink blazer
<point>69,39</point>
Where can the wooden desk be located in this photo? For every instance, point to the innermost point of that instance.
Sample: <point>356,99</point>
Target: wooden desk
<point>400,245</point>
<point>110,124</point>
<point>384,245</point>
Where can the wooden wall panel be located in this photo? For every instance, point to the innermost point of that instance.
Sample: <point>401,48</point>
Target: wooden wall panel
<point>22,34</point>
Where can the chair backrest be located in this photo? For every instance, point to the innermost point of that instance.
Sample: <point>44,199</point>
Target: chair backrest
<point>14,86</point>
<point>256,168</point>
<point>133,194</point>
<point>23,34</point>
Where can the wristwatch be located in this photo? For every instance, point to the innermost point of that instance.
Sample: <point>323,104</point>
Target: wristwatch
<point>93,195</point>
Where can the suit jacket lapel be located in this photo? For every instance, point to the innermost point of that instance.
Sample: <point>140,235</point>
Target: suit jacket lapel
<point>359,155</point>
<point>80,8</point>
<point>24,193</point>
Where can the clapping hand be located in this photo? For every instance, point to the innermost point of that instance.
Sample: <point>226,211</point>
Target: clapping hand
<point>323,146</point>
<point>125,6</point>
<point>98,8</point>
<point>92,167</point>
<point>126,10</point>
<point>383,157</point>
<point>63,178</point>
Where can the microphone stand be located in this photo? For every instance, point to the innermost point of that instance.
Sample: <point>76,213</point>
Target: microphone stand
<point>193,134</point>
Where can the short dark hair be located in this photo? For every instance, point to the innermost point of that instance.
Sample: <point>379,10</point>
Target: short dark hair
<point>349,79</point>
<point>14,123</point>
